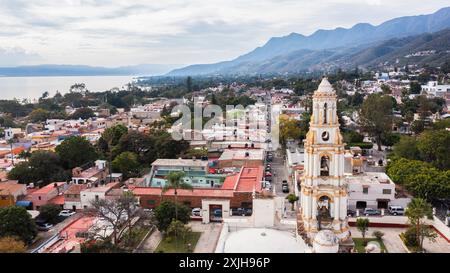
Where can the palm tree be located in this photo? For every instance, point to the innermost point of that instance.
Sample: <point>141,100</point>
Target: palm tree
<point>418,209</point>
<point>363,225</point>
<point>10,142</point>
<point>175,182</point>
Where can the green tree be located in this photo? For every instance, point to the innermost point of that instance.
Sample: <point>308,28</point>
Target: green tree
<point>110,138</point>
<point>352,137</point>
<point>386,89</point>
<point>175,182</point>
<point>178,228</point>
<point>407,147</point>
<point>375,116</point>
<point>362,224</point>
<point>417,126</point>
<point>42,166</point>
<point>289,129</point>
<point>434,147</point>
<point>127,163</point>
<point>140,144</point>
<point>415,87</point>
<point>166,212</point>
<point>430,184</point>
<point>292,199</point>
<point>16,221</point>
<point>418,209</point>
<point>49,213</point>
<point>189,84</point>
<point>39,115</point>
<point>389,139</point>
<point>401,169</point>
<point>76,151</point>
<point>83,113</point>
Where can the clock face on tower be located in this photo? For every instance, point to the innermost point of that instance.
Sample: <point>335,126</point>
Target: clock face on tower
<point>325,136</point>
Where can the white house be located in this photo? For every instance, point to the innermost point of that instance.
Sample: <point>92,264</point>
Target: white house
<point>433,88</point>
<point>93,193</point>
<point>370,190</point>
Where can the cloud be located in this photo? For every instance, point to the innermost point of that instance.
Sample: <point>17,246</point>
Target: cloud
<point>17,56</point>
<point>108,32</point>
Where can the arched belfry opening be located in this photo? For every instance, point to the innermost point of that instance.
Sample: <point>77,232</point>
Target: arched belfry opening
<point>325,165</point>
<point>323,212</point>
<point>325,110</point>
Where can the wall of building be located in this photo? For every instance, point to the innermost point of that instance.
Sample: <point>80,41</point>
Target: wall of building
<point>375,191</point>
<point>88,196</point>
<point>263,212</point>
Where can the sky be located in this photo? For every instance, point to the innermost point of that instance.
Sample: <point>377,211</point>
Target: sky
<point>117,33</point>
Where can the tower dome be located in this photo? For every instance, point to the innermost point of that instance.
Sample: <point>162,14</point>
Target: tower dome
<point>325,87</point>
<point>326,241</point>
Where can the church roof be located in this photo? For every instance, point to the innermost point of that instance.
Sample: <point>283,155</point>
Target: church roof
<point>325,87</point>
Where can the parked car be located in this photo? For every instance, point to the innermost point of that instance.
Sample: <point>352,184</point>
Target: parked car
<point>66,213</point>
<point>284,182</point>
<point>196,212</point>
<point>268,174</point>
<point>285,188</point>
<point>268,169</point>
<point>351,213</point>
<point>370,211</point>
<point>241,211</point>
<point>396,210</point>
<point>217,213</point>
<point>44,226</point>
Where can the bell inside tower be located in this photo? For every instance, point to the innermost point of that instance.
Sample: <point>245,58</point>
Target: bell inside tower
<point>324,166</point>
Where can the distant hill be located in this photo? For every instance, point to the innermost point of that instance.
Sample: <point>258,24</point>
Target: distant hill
<point>296,51</point>
<point>84,70</point>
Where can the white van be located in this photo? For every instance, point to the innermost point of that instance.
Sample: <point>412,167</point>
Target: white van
<point>396,210</point>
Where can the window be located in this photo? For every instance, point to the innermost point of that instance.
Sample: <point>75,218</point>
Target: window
<point>325,113</point>
<point>151,202</point>
<point>96,198</point>
<point>325,166</point>
<point>39,197</point>
<point>386,191</point>
<point>366,190</point>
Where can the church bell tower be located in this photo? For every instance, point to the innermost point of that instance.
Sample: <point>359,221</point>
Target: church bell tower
<point>323,195</point>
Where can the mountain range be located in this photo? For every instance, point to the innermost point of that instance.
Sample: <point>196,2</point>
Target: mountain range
<point>363,44</point>
<point>84,70</point>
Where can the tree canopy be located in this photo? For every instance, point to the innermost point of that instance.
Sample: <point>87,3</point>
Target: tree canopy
<point>16,221</point>
<point>76,151</point>
<point>375,116</point>
<point>165,213</point>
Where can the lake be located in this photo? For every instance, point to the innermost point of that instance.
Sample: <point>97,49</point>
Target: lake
<point>33,87</point>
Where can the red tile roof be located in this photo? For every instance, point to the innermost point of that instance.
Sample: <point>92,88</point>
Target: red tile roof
<point>57,200</point>
<point>250,179</point>
<point>230,182</point>
<point>48,188</point>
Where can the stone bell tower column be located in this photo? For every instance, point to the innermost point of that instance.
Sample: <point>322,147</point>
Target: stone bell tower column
<point>323,188</point>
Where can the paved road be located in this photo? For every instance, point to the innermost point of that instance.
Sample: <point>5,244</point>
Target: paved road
<point>152,242</point>
<point>279,174</point>
<point>43,236</point>
<point>210,235</point>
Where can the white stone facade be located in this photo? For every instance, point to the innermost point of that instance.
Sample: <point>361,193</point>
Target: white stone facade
<point>323,195</point>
